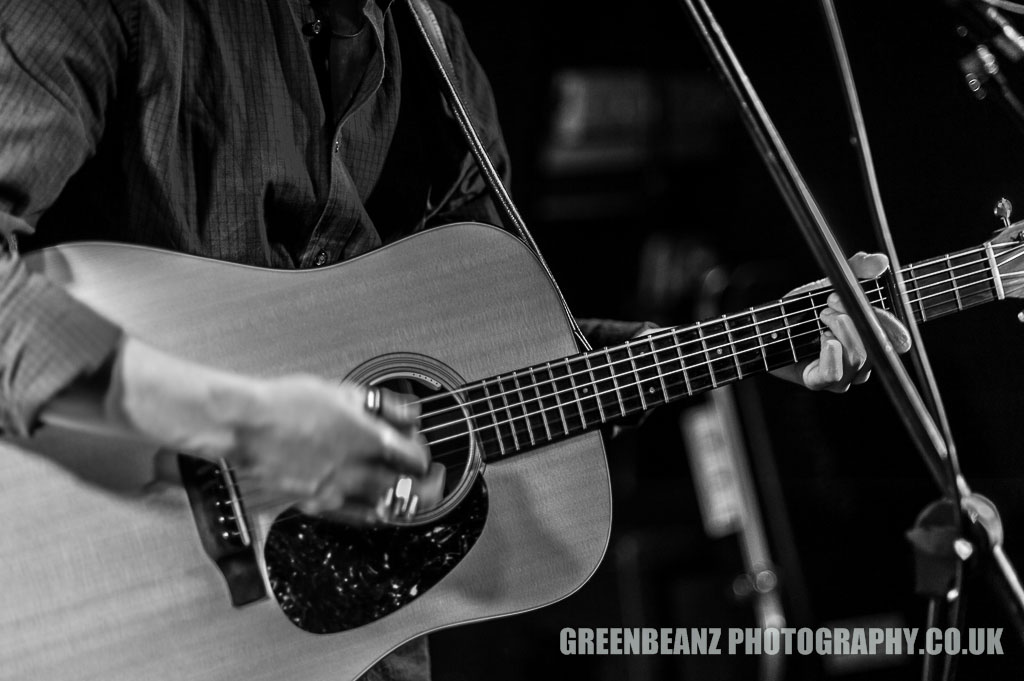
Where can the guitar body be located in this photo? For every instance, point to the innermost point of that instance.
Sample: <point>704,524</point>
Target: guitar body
<point>104,585</point>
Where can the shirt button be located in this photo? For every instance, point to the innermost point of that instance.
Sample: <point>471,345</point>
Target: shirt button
<point>321,259</point>
<point>337,146</point>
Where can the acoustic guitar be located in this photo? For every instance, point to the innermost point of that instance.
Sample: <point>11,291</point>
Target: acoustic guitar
<point>110,572</point>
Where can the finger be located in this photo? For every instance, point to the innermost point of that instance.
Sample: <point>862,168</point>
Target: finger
<point>842,327</point>
<point>826,371</point>
<point>403,453</point>
<point>399,410</point>
<point>894,330</point>
<point>863,265</point>
<point>431,487</point>
<point>868,265</point>
<point>368,484</point>
<point>862,377</point>
<point>897,334</point>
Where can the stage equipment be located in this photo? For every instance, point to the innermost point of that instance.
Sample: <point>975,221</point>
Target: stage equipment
<point>972,521</point>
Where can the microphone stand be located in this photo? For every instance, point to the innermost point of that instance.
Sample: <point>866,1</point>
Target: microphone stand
<point>940,577</point>
<point>960,509</point>
<point>940,564</point>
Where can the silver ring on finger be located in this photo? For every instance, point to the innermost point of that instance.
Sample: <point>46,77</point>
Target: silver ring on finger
<point>374,403</point>
<point>398,501</point>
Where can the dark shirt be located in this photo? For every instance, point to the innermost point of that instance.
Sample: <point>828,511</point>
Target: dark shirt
<point>200,127</point>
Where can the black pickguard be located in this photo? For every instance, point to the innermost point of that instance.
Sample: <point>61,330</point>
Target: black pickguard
<point>330,577</point>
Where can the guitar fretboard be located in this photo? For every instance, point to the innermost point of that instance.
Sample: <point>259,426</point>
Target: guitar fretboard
<point>562,398</point>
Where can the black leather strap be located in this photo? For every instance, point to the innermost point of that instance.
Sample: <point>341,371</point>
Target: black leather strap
<point>426,21</point>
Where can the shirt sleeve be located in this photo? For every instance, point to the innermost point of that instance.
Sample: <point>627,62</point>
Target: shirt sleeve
<point>59,66</point>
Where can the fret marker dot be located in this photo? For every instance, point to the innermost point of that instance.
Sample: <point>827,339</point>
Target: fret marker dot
<point>650,390</point>
<point>719,350</point>
<point>775,336</point>
<point>586,390</point>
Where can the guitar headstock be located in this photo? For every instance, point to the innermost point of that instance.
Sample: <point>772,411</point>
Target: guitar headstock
<point>1007,248</point>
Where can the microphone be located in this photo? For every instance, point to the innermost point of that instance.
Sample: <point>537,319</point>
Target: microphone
<point>989,32</point>
<point>980,19</point>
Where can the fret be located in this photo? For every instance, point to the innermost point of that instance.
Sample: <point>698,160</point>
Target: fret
<point>645,367</point>
<point>540,405</point>
<point>920,281</point>
<point>576,392</point>
<point>503,394</point>
<point>760,338</point>
<point>786,329</point>
<point>777,345</point>
<point>558,400</point>
<point>550,408</point>
<point>973,280</point>
<point>968,282</point>
<point>665,363</point>
<point>719,349</point>
<point>997,278</point>
<point>744,338</point>
<point>566,395</point>
<point>935,297</point>
<point>593,383</point>
<point>494,420</point>
<point>682,361</point>
<point>657,367</point>
<point>876,296</point>
<point>707,357</point>
<point>523,409</point>
<point>607,390</point>
<point>732,346</point>
<point>952,280</point>
<point>911,280</point>
<point>625,384</point>
<point>698,371</point>
<point>636,375</point>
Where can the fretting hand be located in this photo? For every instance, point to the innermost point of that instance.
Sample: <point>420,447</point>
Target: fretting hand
<point>843,361</point>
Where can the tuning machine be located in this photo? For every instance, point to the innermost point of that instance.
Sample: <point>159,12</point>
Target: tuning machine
<point>1003,210</point>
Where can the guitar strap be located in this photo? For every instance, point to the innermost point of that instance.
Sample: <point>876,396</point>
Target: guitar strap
<point>428,27</point>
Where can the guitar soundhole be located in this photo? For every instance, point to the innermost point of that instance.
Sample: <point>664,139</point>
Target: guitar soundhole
<point>329,577</point>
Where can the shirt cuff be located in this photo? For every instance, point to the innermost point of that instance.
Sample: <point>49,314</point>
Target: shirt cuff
<point>47,340</point>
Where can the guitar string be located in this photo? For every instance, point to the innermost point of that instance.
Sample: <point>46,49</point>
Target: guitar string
<point>502,393</point>
<point>669,332</point>
<point>766,338</point>
<point>485,438</point>
<point>483,433</point>
<point>618,387</point>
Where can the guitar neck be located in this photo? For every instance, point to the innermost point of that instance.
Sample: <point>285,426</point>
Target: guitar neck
<point>566,397</point>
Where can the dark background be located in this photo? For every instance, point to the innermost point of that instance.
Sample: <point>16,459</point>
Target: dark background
<point>673,181</point>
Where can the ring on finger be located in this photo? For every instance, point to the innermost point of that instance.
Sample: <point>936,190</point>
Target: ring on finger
<point>374,403</point>
<point>398,501</point>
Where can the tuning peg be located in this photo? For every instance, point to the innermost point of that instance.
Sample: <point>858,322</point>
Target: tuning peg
<point>1003,211</point>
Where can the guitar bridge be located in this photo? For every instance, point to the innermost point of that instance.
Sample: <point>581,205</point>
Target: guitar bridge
<point>220,520</point>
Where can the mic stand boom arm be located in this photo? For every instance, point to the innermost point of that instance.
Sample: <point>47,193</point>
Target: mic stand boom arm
<point>822,243</point>
<point>939,576</point>
<point>926,436</point>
